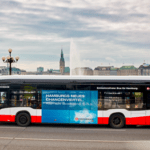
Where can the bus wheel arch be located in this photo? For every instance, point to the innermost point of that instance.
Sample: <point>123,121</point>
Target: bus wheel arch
<point>117,120</point>
<point>23,118</point>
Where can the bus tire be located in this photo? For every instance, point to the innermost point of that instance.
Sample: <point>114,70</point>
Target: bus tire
<point>117,121</point>
<point>23,119</point>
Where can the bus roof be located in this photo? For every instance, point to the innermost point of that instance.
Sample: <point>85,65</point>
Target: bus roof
<point>61,77</point>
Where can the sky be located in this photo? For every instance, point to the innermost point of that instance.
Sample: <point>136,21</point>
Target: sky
<point>94,32</point>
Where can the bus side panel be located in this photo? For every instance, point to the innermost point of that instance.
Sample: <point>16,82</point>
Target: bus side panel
<point>131,117</point>
<point>136,121</point>
<point>147,117</point>
<point>138,117</point>
<point>102,119</point>
<point>55,116</point>
<point>31,111</point>
<point>5,115</point>
<point>9,114</point>
<point>74,106</point>
<point>103,116</point>
<point>36,118</point>
<point>39,116</point>
<point>147,120</point>
<point>83,116</point>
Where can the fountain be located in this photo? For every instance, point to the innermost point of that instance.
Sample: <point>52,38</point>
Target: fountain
<point>75,60</point>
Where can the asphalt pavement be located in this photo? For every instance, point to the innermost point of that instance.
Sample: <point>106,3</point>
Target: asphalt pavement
<point>71,137</point>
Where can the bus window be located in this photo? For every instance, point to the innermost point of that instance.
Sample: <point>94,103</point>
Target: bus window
<point>137,100</point>
<point>13,100</point>
<point>127,102</point>
<point>148,101</point>
<point>23,101</point>
<point>39,100</point>
<point>100,101</point>
<point>114,102</point>
<point>123,100</point>
<point>3,99</point>
<point>23,98</point>
<point>114,99</point>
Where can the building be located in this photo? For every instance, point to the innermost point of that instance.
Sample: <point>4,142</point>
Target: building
<point>144,70</point>
<point>3,70</point>
<point>23,72</point>
<point>102,70</point>
<point>67,71</point>
<point>62,63</point>
<point>54,72</point>
<point>15,71</point>
<point>31,73</point>
<point>113,71</point>
<point>40,69</point>
<point>57,72</point>
<point>82,71</point>
<point>127,71</point>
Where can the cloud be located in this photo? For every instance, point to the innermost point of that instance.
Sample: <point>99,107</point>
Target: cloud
<point>103,31</point>
<point>110,59</point>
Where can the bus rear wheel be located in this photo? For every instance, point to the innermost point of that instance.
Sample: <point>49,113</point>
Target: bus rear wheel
<point>117,121</point>
<point>23,119</point>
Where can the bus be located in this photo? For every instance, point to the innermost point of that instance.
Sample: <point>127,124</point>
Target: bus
<point>106,100</point>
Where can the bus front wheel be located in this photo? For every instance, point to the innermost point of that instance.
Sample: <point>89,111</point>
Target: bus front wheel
<point>23,119</point>
<point>117,121</point>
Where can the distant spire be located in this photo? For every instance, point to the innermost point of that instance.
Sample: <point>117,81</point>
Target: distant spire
<point>62,55</point>
<point>61,52</point>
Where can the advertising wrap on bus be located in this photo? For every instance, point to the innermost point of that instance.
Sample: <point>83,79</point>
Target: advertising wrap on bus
<point>69,106</point>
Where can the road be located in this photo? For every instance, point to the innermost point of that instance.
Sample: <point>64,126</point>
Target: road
<point>66,137</point>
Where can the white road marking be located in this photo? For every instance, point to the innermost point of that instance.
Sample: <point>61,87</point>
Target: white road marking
<point>108,130</point>
<point>6,138</point>
<point>68,140</point>
<point>13,127</point>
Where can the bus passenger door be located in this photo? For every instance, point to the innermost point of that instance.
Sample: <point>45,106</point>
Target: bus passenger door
<point>4,109</point>
<point>138,109</point>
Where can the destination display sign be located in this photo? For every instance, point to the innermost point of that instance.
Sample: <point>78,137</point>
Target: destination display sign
<point>117,88</point>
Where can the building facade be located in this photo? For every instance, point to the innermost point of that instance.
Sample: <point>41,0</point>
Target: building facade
<point>113,71</point>
<point>144,70</point>
<point>62,63</point>
<point>102,70</point>
<point>15,71</point>
<point>3,70</point>
<point>127,71</point>
<point>40,69</point>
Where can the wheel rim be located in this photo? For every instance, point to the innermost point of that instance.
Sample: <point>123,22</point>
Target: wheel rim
<point>23,119</point>
<point>117,120</point>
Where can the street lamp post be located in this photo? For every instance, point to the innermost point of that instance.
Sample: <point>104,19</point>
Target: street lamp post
<point>10,60</point>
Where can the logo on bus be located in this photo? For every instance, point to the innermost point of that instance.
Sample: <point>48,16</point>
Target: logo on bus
<point>76,119</point>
